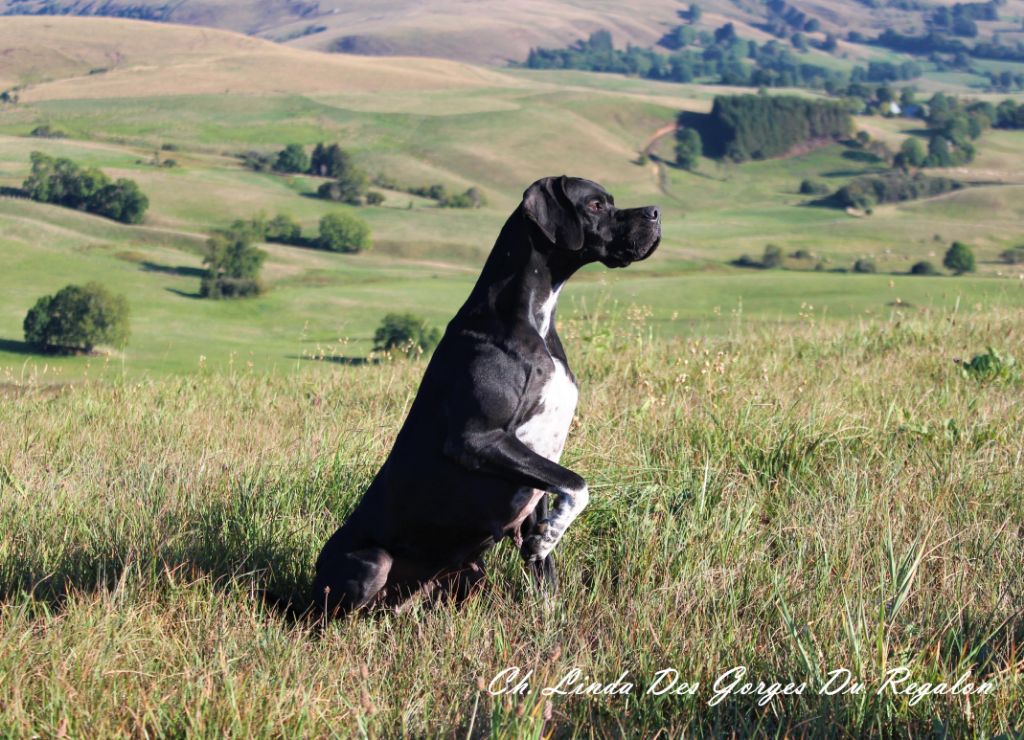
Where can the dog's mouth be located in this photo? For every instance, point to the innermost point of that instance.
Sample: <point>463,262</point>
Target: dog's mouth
<point>636,250</point>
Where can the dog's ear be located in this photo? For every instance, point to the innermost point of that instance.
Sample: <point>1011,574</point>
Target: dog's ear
<point>547,205</point>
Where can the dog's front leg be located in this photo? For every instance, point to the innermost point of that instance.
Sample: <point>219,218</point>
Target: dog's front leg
<point>504,454</point>
<point>549,530</point>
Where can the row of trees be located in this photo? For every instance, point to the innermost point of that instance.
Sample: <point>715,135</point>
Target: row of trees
<point>865,192</point>
<point>233,261</point>
<point>77,318</point>
<point>62,182</point>
<point>722,57</point>
<point>742,127</point>
<point>959,259</point>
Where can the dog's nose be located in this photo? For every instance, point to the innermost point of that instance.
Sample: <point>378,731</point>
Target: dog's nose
<point>651,213</point>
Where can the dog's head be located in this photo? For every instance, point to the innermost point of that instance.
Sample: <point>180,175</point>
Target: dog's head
<point>580,216</point>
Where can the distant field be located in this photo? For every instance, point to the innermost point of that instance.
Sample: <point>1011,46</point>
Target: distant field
<point>790,469</point>
<point>462,126</point>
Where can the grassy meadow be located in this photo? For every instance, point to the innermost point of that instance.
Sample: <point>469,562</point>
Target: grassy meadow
<point>789,471</point>
<point>791,500</point>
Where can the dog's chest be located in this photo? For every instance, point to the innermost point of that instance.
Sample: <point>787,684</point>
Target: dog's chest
<point>546,430</point>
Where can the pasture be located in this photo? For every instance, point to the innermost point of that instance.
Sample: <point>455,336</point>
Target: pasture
<point>789,470</point>
<point>462,126</point>
<point>792,500</point>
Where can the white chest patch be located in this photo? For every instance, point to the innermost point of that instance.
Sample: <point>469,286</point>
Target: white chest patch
<point>546,430</point>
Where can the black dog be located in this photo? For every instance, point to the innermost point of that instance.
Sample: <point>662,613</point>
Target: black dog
<point>480,447</point>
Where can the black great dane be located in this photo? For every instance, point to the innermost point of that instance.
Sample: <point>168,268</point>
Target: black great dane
<point>479,450</point>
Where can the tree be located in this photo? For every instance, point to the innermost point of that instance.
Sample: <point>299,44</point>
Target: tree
<point>292,158</point>
<point>232,265</point>
<point>688,149</point>
<point>405,332</point>
<point>121,200</point>
<point>76,319</point>
<point>329,161</point>
<point>283,229</point>
<point>343,232</point>
<point>959,258</point>
<point>772,257</point>
<point>349,187</point>
<point>912,153</point>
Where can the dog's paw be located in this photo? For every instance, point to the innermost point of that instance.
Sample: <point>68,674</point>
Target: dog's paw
<point>534,549</point>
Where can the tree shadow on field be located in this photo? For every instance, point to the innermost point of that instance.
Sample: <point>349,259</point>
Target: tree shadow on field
<point>180,270</point>
<point>18,348</point>
<point>184,293</point>
<point>349,360</point>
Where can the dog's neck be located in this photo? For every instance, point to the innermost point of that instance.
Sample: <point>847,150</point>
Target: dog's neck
<point>522,277</point>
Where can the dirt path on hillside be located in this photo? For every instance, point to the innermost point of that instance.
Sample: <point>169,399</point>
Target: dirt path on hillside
<point>658,166</point>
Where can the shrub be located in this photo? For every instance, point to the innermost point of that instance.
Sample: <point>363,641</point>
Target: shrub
<point>407,333</point>
<point>373,198</point>
<point>343,232</point>
<point>283,229</point>
<point>689,147</point>
<point>990,366</point>
<point>924,267</point>
<point>348,188</point>
<point>959,258</point>
<point>47,132</point>
<point>76,319</point>
<point>864,266</point>
<point>772,257</point>
<point>813,187</point>
<point>258,161</point>
<point>292,158</point>
<point>1013,255</point>
<point>802,254</point>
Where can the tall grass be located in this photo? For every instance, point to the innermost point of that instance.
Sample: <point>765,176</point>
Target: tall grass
<point>793,501</point>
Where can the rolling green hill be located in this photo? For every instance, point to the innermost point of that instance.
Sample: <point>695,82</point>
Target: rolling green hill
<point>212,95</point>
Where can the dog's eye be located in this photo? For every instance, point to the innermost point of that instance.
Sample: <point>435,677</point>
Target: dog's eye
<point>596,206</point>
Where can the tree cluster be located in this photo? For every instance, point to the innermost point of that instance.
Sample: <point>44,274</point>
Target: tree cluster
<point>721,57</point>
<point>233,264</point>
<point>62,182</point>
<point>472,197</point>
<point>743,127</point>
<point>865,192</point>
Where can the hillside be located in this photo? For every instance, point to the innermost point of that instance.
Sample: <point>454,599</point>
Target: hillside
<point>203,98</point>
<point>492,32</point>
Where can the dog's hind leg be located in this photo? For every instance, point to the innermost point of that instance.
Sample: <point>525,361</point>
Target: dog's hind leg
<point>349,580</point>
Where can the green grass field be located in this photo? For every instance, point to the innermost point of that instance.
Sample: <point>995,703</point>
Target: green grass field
<point>794,500</point>
<point>789,471</point>
<point>494,130</point>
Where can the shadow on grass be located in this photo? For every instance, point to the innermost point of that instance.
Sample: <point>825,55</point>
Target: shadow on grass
<point>857,173</point>
<point>19,348</point>
<point>180,270</point>
<point>348,360</point>
<point>183,293</point>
